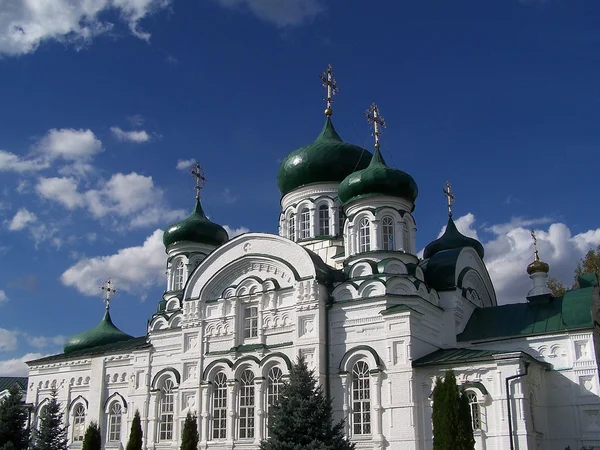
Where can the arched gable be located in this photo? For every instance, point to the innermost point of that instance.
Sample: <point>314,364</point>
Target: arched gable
<point>251,254</point>
<point>360,352</point>
<point>167,372</point>
<point>79,399</point>
<point>115,397</point>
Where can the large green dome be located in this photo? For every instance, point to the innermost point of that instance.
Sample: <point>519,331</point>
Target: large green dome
<point>103,333</point>
<point>327,159</point>
<point>378,179</point>
<point>196,228</point>
<point>451,239</point>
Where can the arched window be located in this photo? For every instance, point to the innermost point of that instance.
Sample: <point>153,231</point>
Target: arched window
<point>361,399</point>
<point>219,409</point>
<point>246,429</point>
<point>274,384</point>
<point>324,220</point>
<point>341,220</point>
<point>115,413</point>
<point>304,223</point>
<point>364,235</point>
<point>292,228</point>
<point>387,225</point>
<point>179,276</point>
<point>78,423</point>
<point>475,410</point>
<point>166,408</point>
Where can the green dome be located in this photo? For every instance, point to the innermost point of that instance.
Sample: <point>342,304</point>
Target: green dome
<point>195,228</point>
<point>451,239</point>
<point>327,159</point>
<point>378,179</point>
<point>103,333</point>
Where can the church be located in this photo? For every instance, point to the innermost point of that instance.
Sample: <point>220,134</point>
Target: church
<point>342,286</point>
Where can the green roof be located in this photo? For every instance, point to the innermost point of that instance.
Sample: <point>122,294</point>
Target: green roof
<point>8,382</point>
<point>107,349</point>
<point>571,312</point>
<point>378,179</point>
<point>103,333</point>
<point>453,356</point>
<point>450,240</point>
<point>195,228</point>
<point>327,159</point>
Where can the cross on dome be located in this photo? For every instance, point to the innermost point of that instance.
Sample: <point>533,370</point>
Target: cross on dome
<point>197,172</point>
<point>449,196</point>
<point>536,256</point>
<point>107,287</point>
<point>375,118</point>
<point>330,84</point>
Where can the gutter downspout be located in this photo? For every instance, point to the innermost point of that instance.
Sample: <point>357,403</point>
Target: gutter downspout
<point>508,398</point>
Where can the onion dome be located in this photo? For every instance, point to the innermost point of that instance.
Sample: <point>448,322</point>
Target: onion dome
<point>378,179</point>
<point>451,239</point>
<point>537,266</point>
<point>195,228</point>
<point>103,333</point>
<point>327,159</point>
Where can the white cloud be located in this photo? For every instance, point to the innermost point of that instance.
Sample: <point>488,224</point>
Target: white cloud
<point>24,25</point>
<point>16,367</point>
<point>133,269</point>
<point>517,222</point>
<point>21,219</point>
<point>70,144</point>
<point>11,162</point>
<point>232,232</point>
<point>281,13</point>
<point>61,190</point>
<point>8,340</point>
<point>136,120</point>
<point>185,164</point>
<point>3,297</point>
<point>136,136</point>
<point>40,342</point>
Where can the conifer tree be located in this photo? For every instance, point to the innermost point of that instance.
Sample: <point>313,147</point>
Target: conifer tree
<point>136,434</point>
<point>189,436</point>
<point>51,434</point>
<point>93,438</point>
<point>13,420</point>
<point>302,418</point>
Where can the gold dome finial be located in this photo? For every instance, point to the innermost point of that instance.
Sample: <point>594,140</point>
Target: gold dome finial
<point>537,265</point>
<point>375,118</point>
<point>330,84</point>
<point>197,172</point>
<point>110,290</point>
<point>449,196</point>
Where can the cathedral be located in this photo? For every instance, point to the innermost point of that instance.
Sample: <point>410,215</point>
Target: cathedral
<point>342,286</point>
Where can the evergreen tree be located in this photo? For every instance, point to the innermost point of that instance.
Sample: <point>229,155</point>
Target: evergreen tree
<point>189,436</point>
<point>136,434</point>
<point>93,438</point>
<point>451,416</point>
<point>302,419</point>
<point>13,420</point>
<point>51,435</point>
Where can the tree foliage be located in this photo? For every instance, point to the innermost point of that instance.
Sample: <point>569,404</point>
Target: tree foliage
<point>189,436</point>
<point>13,420</point>
<point>302,418</point>
<point>51,434</point>
<point>451,416</point>
<point>590,263</point>
<point>93,437</point>
<point>136,434</point>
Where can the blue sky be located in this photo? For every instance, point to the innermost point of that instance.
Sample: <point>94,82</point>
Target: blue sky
<point>500,97</point>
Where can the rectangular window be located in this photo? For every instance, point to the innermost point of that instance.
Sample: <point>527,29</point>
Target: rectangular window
<point>165,429</point>
<point>219,413</point>
<point>305,224</point>
<point>250,322</point>
<point>247,405</point>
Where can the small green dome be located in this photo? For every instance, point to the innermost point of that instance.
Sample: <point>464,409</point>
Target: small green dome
<point>103,333</point>
<point>195,228</point>
<point>378,179</point>
<point>451,239</point>
<point>327,159</point>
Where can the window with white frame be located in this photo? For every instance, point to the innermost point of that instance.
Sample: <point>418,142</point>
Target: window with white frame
<point>219,407</point>
<point>292,228</point>
<point>166,408</point>
<point>387,228</point>
<point>246,413</point>
<point>78,423</point>
<point>274,385</point>
<point>250,322</point>
<point>179,276</point>
<point>475,410</point>
<point>364,235</point>
<point>304,223</point>
<point>341,220</point>
<point>115,413</point>
<point>324,220</point>
<point>361,399</point>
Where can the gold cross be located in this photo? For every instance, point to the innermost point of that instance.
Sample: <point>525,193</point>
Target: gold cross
<point>536,256</point>
<point>375,118</point>
<point>107,287</point>
<point>330,84</point>
<point>197,172</point>
<point>450,196</point>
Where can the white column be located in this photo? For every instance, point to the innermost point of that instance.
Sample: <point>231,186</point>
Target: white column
<point>345,407</point>
<point>333,221</point>
<point>399,243</point>
<point>377,410</point>
<point>375,235</point>
<point>260,410</point>
<point>204,431</point>
<point>313,222</point>
<point>231,411</point>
